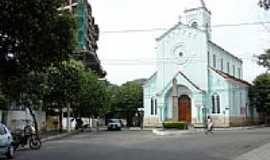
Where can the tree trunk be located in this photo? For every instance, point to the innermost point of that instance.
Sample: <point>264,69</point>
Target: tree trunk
<point>60,120</point>
<point>68,117</point>
<point>127,117</point>
<point>34,119</point>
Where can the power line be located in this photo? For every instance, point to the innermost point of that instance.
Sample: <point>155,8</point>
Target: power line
<point>149,61</point>
<point>163,29</point>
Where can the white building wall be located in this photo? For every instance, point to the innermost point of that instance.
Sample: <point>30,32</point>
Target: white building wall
<point>149,92</point>
<point>16,119</point>
<point>222,54</point>
<point>192,43</point>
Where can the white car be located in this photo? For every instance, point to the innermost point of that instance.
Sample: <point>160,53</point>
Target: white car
<point>6,142</point>
<point>115,124</point>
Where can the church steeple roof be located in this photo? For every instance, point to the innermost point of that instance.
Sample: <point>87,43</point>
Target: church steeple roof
<point>196,4</point>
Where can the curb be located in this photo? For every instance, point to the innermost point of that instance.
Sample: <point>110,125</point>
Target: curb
<point>170,133</point>
<point>59,136</point>
<point>161,132</point>
<point>139,129</point>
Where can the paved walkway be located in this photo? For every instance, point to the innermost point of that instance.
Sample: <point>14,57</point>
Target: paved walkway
<point>261,153</point>
<point>163,132</point>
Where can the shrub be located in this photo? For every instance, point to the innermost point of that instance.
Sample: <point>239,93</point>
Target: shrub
<point>174,125</point>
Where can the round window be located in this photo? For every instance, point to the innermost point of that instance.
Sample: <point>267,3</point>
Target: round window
<point>180,54</point>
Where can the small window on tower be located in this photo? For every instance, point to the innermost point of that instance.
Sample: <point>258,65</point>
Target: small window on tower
<point>180,54</point>
<point>194,25</point>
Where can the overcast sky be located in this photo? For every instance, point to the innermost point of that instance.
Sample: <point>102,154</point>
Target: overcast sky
<point>128,56</point>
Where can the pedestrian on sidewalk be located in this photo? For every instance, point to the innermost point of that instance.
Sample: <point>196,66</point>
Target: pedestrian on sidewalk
<point>210,125</point>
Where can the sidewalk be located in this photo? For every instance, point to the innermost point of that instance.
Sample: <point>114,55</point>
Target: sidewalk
<point>164,132</point>
<point>261,153</point>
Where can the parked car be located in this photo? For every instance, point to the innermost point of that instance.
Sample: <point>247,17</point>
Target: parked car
<point>115,124</point>
<point>6,142</point>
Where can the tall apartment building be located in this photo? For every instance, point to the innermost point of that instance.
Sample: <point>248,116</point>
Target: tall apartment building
<point>87,34</point>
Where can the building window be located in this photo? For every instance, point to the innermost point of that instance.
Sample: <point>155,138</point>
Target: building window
<point>214,61</point>
<point>194,24</point>
<point>241,100</point>
<point>152,106</point>
<point>221,64</point>
<point>156,106</point>
<point>215,104</point>
<point>239,73</point>
<point>228,67</point>
<point>234,70</point>
<point>208,59</point>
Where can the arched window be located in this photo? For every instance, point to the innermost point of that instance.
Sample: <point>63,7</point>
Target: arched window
<point>180,54</point>
<point>228,67</point>
<point>152,106</point>
<point>239,73</point>
<point>194,24</point>
<point>215,104</point>
<point>156,106</point>
<point>221,64</point>
<point>214,61</point>
<point>234,70</point>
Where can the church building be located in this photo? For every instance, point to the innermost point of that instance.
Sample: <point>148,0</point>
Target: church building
<point>196,77</point>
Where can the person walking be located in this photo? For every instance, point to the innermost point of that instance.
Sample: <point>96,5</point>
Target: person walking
<point>210,125</point>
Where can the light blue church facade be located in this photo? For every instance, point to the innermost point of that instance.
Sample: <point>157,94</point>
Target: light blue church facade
<point>196,77</point>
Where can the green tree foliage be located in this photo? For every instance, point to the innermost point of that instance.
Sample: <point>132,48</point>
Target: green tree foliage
<point>131,96</point>
<point>260,93</point>
<point>72,83</point>
<point>264,59</point>
<point>63,86</point>
<point>3,102</point>
<point>126,99</point>
<point>264,4</point>
<point>114,93</point>
<point>63,82</point>
<point>33,35</point>
<point>94,97</point>
<point>36,32</point>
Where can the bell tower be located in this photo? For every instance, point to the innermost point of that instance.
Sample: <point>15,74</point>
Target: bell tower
<point>198,16</point>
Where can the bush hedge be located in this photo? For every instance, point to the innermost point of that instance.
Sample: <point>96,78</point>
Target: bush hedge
<point>174,125</point>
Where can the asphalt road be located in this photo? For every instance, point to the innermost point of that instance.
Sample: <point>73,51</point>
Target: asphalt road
<point>143,145</point>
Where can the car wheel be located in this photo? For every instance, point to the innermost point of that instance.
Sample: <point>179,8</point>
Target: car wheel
<point>11,152</point>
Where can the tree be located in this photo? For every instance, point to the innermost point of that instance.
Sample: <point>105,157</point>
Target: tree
<point>264,59</point>
<point>260,94</point>
<point>130,98</point>
<point>114,93</point>
<point>264,4</point>
<point>63,86</point>
<point>35,32</point>
<point>33,35</point>
<point>3,102</point>
<point>94,96</point>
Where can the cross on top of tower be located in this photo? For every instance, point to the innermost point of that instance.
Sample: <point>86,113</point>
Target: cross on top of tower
<point>203,3</point>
